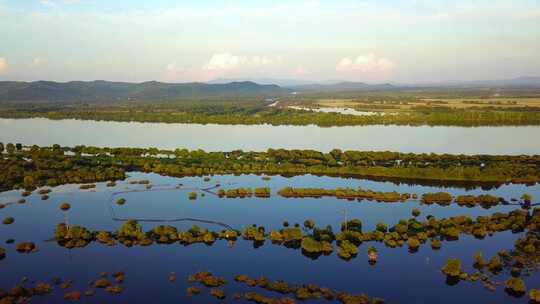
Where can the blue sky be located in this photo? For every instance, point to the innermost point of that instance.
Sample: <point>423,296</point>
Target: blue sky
<point>178,41</point>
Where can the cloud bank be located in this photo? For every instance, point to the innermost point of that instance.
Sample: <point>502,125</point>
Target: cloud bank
<point>369,63</point>
<point>3,64</point>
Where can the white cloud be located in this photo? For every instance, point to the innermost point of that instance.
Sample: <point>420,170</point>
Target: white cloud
<point>227,61</point>
<point>37,61</point>
<point>54,3</point>
<point>369,63</point>
<point>3,64</point>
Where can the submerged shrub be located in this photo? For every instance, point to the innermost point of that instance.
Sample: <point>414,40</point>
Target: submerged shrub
<point>452,268</point>
<point>26,247</point>
<point>8,220</point>
<point>534,295</point>
<point>515,286</point>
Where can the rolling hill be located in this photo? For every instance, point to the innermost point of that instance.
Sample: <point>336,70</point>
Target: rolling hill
<point>105,91</point>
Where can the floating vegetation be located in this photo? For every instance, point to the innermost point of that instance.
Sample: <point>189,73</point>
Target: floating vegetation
<point>65,206</point>
<point>116,289</point>
<point>206,178</point>
<point>102,283</point>
<point>192,195</point>
<point>193,291</point>
<point>26,247</point>
<point>207,279</point>
<point>121,201</point>
<point>301,292</point>
<point>73,296</point>
<point>217,293</point>
<point>8,220</point>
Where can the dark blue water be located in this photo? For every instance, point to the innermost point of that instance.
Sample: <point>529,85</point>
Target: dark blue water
<point>398,277</point>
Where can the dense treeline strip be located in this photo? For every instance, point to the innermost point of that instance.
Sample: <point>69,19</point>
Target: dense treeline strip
<point>244,192</point>
<point>346,193</point>
<point>34,166</point>
<point>279,116</point>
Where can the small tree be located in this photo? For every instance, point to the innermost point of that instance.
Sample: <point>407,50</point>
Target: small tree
<point>10,148</point>
<point>527,198</point>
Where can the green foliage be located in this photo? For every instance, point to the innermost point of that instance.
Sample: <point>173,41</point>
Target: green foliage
<point>515,285</point>
<point>90,164</point>
<point>382,227</point>
<point>131,230</point>
<point>452,268</point>
<point>352,225</point>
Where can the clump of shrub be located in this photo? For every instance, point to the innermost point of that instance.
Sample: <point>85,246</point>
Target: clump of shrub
<point>192,195</point>
<point>207,279</point>
<point>452,268</point>
<point>87,186</point>
<point>65,206</point>
<point>441,198</point>
<point>515,286</point>
<point>534,295</point>
<point>111,184</point>
<point>26,247</point>
<point>8,220</point>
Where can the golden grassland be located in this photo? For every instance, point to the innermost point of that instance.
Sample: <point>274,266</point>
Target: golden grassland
<point>503,103</point>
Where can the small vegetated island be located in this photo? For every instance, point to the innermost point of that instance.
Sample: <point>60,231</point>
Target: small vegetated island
<point>30,167</point>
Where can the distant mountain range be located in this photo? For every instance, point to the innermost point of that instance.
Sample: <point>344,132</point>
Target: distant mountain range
<point>106,91</point>
<point>520,82</point>
<point>92,91</point>
<point>340,85</point>
<point>345,86</point>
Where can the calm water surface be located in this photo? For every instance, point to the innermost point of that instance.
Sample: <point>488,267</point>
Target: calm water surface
<point>399,276</point>
<point>455,140</point>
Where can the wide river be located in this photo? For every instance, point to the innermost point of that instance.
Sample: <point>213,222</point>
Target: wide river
<point>211,137</point>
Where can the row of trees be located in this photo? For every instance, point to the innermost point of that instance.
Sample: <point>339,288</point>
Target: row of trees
<point>35,166</point>
<point>284,116</point>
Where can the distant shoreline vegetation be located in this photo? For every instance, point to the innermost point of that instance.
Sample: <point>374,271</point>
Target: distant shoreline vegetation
<point>31,167</point>
<point>279,116</point>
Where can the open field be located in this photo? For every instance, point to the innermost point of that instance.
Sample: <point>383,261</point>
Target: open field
<point>499,103</point>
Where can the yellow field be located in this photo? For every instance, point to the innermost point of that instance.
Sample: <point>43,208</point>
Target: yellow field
<point>456,103</point>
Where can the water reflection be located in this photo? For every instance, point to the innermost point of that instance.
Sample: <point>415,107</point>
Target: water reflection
<point>455,140</point>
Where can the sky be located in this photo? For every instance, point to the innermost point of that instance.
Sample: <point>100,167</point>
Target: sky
<point>408,41</point>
